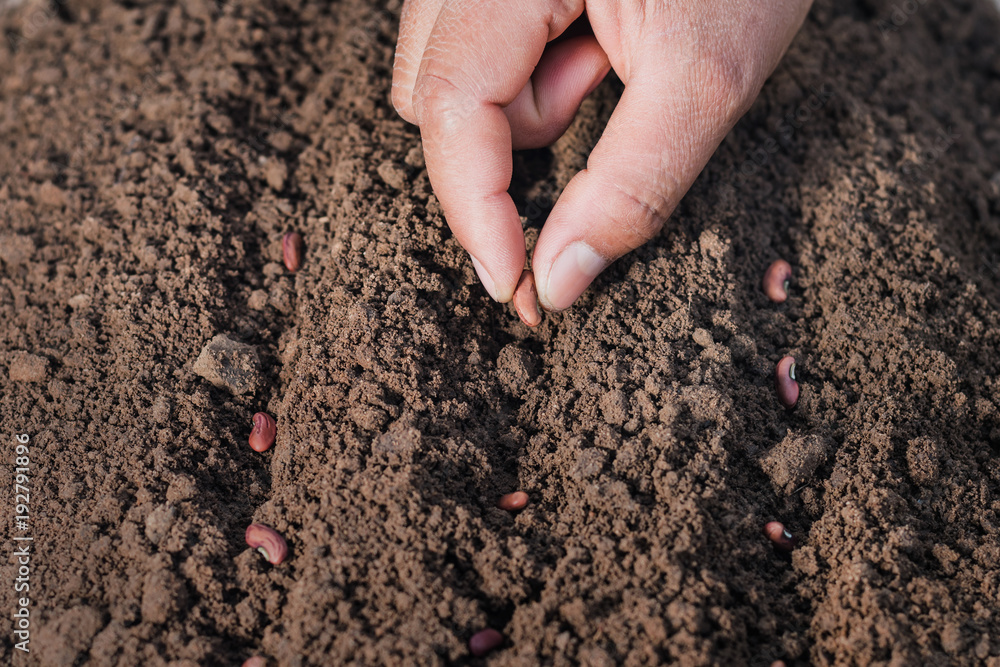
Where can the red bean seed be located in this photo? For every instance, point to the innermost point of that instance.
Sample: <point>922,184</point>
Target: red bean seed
<point>776,532</point>
<point>484,641</point>
<point>292,248</point>
<point>785,384</point>
<point>513,501</point>
<point>264,430</point>
<point>776,280</point>
<point>526,300</point>
<point>255,661</point>
<point>268,542</point>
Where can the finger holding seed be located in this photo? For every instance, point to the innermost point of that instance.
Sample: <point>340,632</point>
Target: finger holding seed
<point>268,542</point>
<point>513,501</point>
<point>484,642</point>
<point>777,533</point>
<point>776,280</point>
<point>263,433</point>
<point>526,300</point>
<point>292,249</point>
<point>784,382</point>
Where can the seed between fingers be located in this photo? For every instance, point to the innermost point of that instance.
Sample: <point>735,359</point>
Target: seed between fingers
<point>526,299</point>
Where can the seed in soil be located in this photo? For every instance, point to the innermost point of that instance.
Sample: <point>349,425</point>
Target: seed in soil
<point>268,542</point>
<point>785,384</point>
<point>526,300</point>
<point>776,532</point>
<point>513,501</point>
<point>776,280</point>
<point>264,430</point>
<point>292,248</point>
<point>256,661</point>
<point>484,642</point>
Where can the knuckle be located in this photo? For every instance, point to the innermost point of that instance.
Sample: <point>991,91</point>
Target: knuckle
<point>438,99</point>
<point>722,83</point>
<point>642,215</point>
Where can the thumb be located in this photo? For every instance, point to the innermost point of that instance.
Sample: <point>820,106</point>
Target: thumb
<point>662,133</point>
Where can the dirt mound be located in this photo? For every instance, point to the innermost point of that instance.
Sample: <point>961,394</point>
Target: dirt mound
<point>155,154</point>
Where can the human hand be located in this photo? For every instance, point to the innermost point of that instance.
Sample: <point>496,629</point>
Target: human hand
<point>482,78</point>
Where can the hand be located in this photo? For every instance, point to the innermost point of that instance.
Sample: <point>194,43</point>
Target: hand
<point>482,77</point>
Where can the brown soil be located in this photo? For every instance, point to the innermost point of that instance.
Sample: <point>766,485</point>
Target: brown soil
<point>153,155</point>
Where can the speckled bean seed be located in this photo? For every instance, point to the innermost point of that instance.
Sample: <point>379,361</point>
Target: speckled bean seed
<point>785,384</point>
<point>292,249</point>
<point>264,430</point>
<point>776,280</point>
<point>526,300</point>
<point>485,641</point>
<point>268,542</point>
<point>776,532</point>
<point>513,501</point>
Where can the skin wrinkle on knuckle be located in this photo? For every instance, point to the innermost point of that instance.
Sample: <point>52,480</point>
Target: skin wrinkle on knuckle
<point>439,102</point>
<point>641,218</point>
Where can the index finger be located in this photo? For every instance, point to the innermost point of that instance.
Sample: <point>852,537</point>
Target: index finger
<point>478,58</point>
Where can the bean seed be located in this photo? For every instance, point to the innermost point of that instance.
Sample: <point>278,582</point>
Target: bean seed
<point>484,641</point>
<point>776,280</point>
<point>268,542</point>
<point>785,384</point>
<point>776,532</point>
<point>292,248</point>
<point>256,661</point>
<point>526,300</point>
<point>513,501</point>
<point>264,430</point>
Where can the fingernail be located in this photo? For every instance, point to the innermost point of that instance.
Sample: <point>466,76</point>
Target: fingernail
<point>572,272</point>
<point>485,278</point>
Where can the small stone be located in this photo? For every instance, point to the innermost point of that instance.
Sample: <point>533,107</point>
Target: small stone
<point>257,300</point>
<point>392,174</point>
<point>159,522</point>
<point>793,461</point>
<point>275,173</point>
<point>160,411</point>
<point>26,367</point>
<point>16,249</point>
<point>79,302</point>
<point>415,157</point>
<point>703,338</point>
<point>229,365</point>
